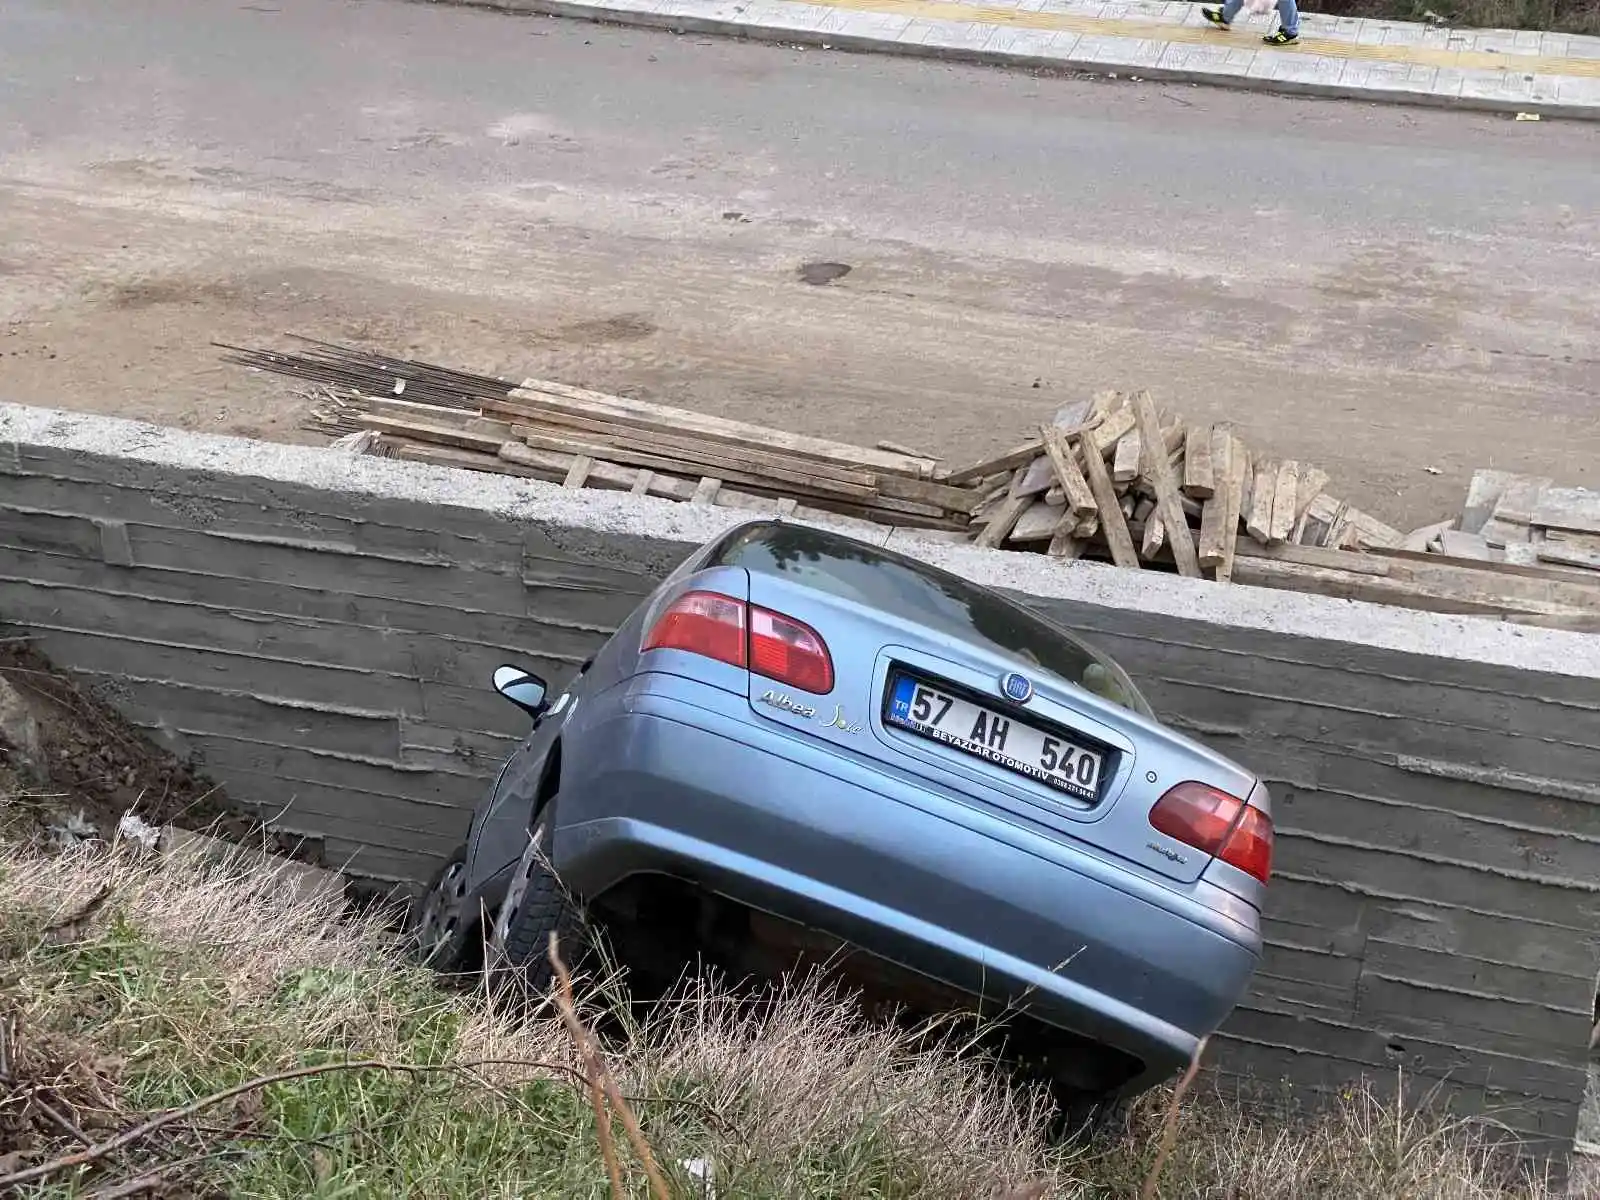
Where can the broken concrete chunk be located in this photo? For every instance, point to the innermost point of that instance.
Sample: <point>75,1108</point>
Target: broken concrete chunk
<point>19,731</point>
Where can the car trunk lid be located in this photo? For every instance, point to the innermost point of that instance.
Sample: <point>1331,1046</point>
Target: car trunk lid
<point>994,729</point>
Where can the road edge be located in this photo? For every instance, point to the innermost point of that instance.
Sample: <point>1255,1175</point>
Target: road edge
<point>601,14</point>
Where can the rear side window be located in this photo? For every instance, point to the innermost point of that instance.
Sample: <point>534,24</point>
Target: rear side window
<point>902,586</point>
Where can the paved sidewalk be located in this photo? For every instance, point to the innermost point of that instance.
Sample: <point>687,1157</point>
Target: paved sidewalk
<point>1394,61</point>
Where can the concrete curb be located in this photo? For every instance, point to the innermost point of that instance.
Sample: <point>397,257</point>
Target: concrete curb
<point>678,22</point>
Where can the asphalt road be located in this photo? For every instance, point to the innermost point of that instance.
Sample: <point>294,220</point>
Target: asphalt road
<point>1379,290</point>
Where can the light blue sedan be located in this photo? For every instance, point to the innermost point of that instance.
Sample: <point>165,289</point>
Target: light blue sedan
<point>802,741</point>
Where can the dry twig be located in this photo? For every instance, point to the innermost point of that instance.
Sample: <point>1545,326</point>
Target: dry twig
<point>592,1071</point>
<point>602,1079</point>
<point>1169,1128</point>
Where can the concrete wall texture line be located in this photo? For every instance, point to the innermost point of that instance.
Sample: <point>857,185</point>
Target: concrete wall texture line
<point>317,631</point>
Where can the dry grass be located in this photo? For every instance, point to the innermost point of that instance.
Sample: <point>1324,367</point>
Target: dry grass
<point>192,978</point>
<point>1562,16</point>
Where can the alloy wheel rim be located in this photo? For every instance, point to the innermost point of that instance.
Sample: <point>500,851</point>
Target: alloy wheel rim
<point>441,915</point>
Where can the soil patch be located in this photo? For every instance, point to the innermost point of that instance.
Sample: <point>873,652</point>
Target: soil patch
<point>84,767</point>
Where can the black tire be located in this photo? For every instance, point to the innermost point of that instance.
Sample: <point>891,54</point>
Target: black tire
<point>1084,1117</point>
<point>439,932</point>
<point>535,906</point>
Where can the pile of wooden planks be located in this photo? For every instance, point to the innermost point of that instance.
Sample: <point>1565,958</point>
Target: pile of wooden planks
<point>1114,478</point>
<point>1117,478</point>
<point>1525,520</point>
<point>546,430</point>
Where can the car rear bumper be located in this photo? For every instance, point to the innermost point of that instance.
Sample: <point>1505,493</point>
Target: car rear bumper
<point>674,778</point>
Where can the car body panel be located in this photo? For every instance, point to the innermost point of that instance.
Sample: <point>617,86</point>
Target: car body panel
<point>815,809</point>
<point>675,783</point>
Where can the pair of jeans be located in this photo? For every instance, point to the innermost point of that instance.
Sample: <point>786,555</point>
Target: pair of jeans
<point>1288,14</point>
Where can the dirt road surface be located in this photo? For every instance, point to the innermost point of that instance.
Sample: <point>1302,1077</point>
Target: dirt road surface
<point>1379,290</point>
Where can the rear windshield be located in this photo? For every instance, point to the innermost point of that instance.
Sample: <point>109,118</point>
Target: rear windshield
<point>902,586</point>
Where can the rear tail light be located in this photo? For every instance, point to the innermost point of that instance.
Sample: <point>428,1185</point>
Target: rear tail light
<point>789,651</point>
<point>745,635</point>
<point>1217,824</point>
<point>703,623</point>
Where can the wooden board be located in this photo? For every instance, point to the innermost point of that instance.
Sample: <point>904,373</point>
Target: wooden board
<point>519,459</point>
<point>546,396</point>
<point>1453,543</point>
<point>1521,561</point>
<point>1312,481</point>
<point>688,446</point>
<point>1483,493</point>
<point>1562,554</point>
<point>1076,413</point>
<point>578,473</point>
<point>729,466</point>
<point>1503,534</point>
<point>1159,470</point>
<point>1113,521</point>
<point>1111,430</point>
<point>1214,529</point>
<point>1125,459</point>
<point>1017,456</point>
<point>1172,437</point>
<point>455,436</point>
<point>1348,585</point>
<point>1038,523</point>
<point>1285,490</point>
<point>1420,539</point>
<point>1504,583</point>
<point>1351,561</point>
<point>1037,477</point>
<point>1199,469</point>
<point>1573,509</point>
<point>1240,469</point>
<point>1518,500</point>
<point>1155,537</point>
<point>897,448</point>
<point>690,453</point>
<point>465,460</point>
<point>410,410</point>
<point>1258,515</point>
<point>1362,529</point>
<point>1006,517</point>
<point>1065,545</point>
<point>1063,462</point>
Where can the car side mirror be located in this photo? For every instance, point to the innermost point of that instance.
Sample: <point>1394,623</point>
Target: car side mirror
<point>527,692</point>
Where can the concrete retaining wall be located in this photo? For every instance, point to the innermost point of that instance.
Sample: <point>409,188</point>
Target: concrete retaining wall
<point>318,631</point>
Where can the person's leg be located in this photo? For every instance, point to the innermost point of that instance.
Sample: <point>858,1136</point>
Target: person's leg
<point>1288,22</point>
<point>1224,16</point>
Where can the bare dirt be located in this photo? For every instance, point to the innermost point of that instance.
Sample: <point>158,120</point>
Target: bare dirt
<point>85,767</point>
<point>844,245</point>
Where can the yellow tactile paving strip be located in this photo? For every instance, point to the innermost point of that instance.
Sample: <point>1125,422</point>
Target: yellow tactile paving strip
<point>1129,27</point>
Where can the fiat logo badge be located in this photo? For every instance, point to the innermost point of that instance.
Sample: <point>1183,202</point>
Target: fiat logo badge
<point>1016,687</point>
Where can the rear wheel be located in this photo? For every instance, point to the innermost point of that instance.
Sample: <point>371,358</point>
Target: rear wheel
<point>436,924</point>
<point>1089,1116</point>
<point>535,906</point>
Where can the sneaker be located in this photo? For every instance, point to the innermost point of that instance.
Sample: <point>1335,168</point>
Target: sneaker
<point>1214,15</point>
<point>1281,38</point>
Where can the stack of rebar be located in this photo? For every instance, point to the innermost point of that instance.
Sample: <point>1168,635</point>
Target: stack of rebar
<point>349,370</point>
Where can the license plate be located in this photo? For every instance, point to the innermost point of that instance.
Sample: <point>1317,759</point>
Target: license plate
<point>994,737</point>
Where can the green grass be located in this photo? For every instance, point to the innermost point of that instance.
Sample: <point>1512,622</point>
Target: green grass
<point>193,978</point>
